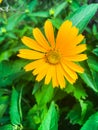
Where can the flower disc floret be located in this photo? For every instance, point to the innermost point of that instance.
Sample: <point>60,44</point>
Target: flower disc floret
<point>53,57</point>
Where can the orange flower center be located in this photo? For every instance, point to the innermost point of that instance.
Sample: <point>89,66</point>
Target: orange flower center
<point>53,57</point>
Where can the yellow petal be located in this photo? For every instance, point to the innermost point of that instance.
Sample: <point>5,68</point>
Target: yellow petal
<point>76,58</point>
<point>40,38</point>
<point>67,37</point>
<point>41,71</point>
<point>76,50</point>
<point>49,33</point>
<point>54,78</point>
<point>49,74</point>
<point>32,44</point>
<point>41,75</point>
<point>60,76</point>
<point>30,54</point>
<point>71,73</point>
<point>63,35</point>
<point>78,39</point>
<point>67,76</point>
<point>79,49</point>
<point>33,65</point>
<point>40,68</point>
<point>74,31</point>
<point>74,67</point>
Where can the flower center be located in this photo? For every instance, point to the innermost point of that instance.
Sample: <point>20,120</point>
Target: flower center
<point>53,57</point>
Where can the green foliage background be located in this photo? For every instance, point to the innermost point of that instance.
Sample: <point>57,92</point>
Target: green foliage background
<point>28,105</point>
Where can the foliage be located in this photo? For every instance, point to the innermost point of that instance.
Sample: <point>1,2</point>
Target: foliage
<point>28,105</point>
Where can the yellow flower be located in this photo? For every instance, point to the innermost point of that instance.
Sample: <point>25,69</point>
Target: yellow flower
<point>1,1</point>
<point>55,60</point>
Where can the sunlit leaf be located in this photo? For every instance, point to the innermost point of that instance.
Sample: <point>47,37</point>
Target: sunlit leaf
<point>50,121</point>
<point>88,78</point>
<point>77,91</point>
<point>44,94</point>
<point>83,15</point>
<point>59,7</point>
<point>14,108</point>
<point>91,123</point>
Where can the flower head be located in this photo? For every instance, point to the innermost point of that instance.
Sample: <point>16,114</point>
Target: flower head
<point>55,59</point>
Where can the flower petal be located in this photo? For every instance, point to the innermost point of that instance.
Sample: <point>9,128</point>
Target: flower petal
<point>74,67</point>
<point>33,65</point>
<point>74,31</point>
<point>40,38</point>
<point>41,71</point>
<point>78,39</point>
<point>54,78</point>
<point>67,37</point>
<point>49,33</point>
<point>66,75</point>
<point>78,49</point>
<point>69,71</point>
<point>63,35</point>
<point>60,76</point>
<point>30,54</point>
<point>76,58</point>
<point>51,74</point>
<point>32,44</point>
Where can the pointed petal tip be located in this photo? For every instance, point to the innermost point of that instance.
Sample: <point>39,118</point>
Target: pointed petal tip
<point>23,39</point>
<point>26,69</point>
<point>17,55</point>
<point>35,29</point>
<point>48,21</point>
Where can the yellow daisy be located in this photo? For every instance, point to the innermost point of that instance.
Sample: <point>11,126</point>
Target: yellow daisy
<point>55,59</point>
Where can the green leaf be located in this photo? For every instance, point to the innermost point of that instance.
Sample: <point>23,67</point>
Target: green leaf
<point>59,8</point>
<point>75,5</point>
<point>14,108</point>
<point>50,121</point>
<point>41,14</point>
<point>3,104</point>
<point>10,71</point>
<point>95,78</point>
<point>94,29</point>
<point>93,63</point>
<point>91,123</point>
<point>80,112</point>
<point>7,127</point>
<point>32,5</point>
<point>75,115</point>
<point>13,21</point>
<point>77,90</point>
<point>56,22</point>
<point>83,15</point>
<point>36,114</point>
<point>84,106</point>
<point>88,78</point>
<point>95,51</point>
<point>44,94</point>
